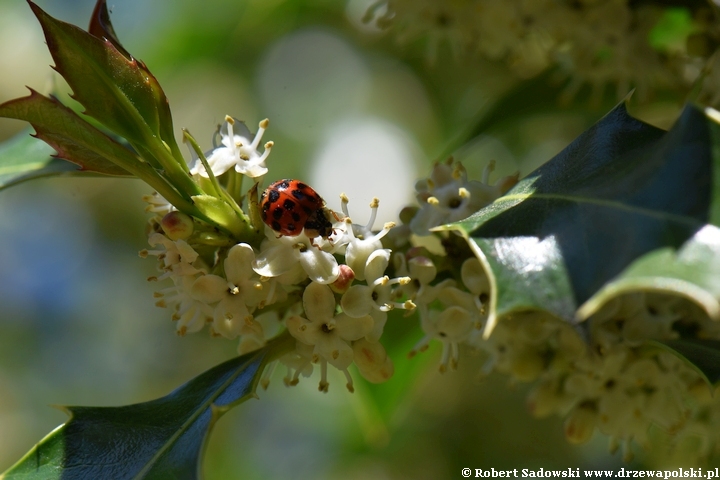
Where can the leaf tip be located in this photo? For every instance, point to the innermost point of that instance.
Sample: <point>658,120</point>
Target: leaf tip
<point>65,409</point>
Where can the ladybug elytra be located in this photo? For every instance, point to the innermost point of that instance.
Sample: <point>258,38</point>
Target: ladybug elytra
<point>289,206</point>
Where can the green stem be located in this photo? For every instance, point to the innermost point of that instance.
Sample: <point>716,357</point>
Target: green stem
<point>211,175</point>
<point>219,191</point>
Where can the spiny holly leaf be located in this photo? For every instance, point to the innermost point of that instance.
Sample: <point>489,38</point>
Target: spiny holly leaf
<point>24,158</point>
<point>692,271</point>
<point>117,90</point>
<point>162,438</point>
<point>101,27</point>
<point>620,190</point>
<point>73,138</point>
<point>702,354</point>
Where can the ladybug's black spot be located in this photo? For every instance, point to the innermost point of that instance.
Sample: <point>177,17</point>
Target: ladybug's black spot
<point>289,205</point>
<point>300,196</point>
<point>275,226</point>
<point>273,196</point>
<point>283,184</point>
<point>290,227</point>
<point>302,186</point>
<point>277,213</point>
<point>307,210</point>
<point>295,216</point>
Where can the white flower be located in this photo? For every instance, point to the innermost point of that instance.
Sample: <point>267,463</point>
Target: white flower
<point>234,293</point>
<point>360,239</point>
<point>285,255</point>
<point>177,258</point>
<point>448,196</point>
<point>238,151</point>
<point>190,314</point>
<point>476,281</point>
<point>298,362</point>
<point>268,324</point>
<point>360,300</point>
<point>157,204</point>
<point>329,334</point>
<point>452,326</point>
<point>375,298</point>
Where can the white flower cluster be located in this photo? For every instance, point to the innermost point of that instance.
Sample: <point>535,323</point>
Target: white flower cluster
<point>331,294</point>
<point>595,42</point>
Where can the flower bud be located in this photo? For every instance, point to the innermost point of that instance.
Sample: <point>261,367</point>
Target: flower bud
<point>344,279</point>
<point>580,423</point>
<point>177,225</point>
<point>422,269</point>
<point>372,361</point>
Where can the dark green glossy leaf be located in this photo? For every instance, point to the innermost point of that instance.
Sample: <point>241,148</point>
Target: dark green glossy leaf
<point>619,191</point>
<point>117,90</point>
<point>702,354</point>
<point>691,271</point>
<point>159,439</point>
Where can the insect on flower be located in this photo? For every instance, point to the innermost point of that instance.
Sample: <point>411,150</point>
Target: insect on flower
<point>291,206</point>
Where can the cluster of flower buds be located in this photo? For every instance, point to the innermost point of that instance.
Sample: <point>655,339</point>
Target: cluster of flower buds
<point>595,43</point>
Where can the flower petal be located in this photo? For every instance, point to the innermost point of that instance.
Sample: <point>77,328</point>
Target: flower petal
<point>230,316</point>
<point>351,329</point>
<point>337,352</point>
<point>238,264</point>
<point>209,288</point>
<point>299,328</point>
<point>454,324</point>
<point>318,302</point>
<point>274,261</point>
<point>376,264</point>
<point>379,320</point>
<point>474,277</point>
<point>357,301</point>
<point>320,266</point>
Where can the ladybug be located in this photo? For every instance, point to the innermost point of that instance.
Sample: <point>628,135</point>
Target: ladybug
<point>289,206</point>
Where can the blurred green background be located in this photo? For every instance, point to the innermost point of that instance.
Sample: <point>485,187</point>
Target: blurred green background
<point>351,111</point>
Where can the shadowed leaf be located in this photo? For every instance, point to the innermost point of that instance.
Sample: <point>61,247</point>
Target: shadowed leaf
<point>703,354</point>
<point>162,438</point>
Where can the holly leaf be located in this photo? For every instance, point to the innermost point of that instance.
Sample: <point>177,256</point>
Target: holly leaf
<point>690,271</point>
<point>701,354</point>
<point>621,190</point>
<point>114,88</point>
<point>71,137</point>
<point>161,438</point>
<point>24,158</point>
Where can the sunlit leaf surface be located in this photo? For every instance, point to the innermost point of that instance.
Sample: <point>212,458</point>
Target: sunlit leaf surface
<point>621,190</point>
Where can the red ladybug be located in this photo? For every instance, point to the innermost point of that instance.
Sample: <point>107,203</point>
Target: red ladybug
<point>289,206</point>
